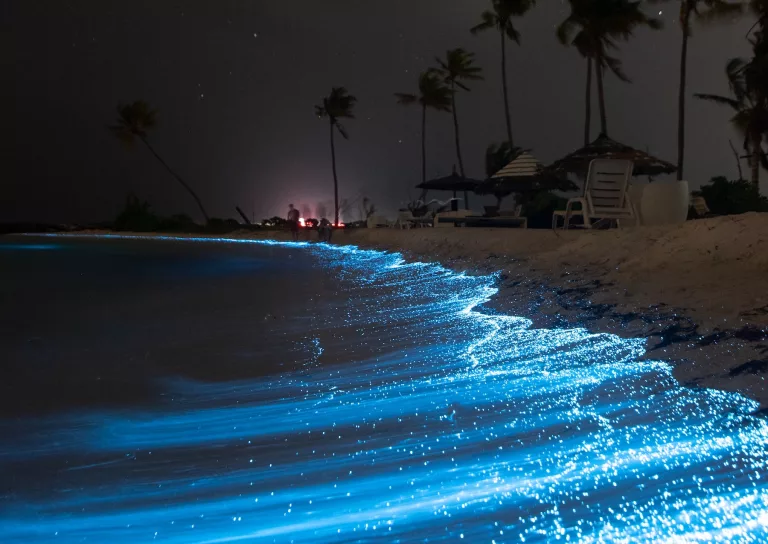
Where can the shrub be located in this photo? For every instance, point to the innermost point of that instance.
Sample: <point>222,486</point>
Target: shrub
<point>136,216</point>
<point>732,197</point>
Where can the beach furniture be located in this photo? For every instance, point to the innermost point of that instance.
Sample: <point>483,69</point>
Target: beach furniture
<point>606,195</point>
<point>377,221</point>
<point>452,218</point>
<point>699,205</point>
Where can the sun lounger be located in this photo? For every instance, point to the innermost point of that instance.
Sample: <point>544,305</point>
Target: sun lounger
<point>605,195</point>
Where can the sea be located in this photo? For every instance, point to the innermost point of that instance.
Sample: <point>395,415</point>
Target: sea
<point>227,390</point>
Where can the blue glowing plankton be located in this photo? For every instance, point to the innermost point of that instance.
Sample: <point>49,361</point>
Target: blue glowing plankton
<point>433,422</point>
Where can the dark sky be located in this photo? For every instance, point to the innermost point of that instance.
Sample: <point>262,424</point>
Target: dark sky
<point>235,82</point>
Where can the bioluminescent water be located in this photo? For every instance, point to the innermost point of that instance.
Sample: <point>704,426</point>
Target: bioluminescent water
<point>310,393</point>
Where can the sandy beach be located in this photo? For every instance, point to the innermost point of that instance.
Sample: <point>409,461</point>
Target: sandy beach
<point>698,291</point>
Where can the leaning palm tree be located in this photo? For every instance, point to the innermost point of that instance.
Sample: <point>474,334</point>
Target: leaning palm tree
<point>456,68</point>
<point>434,94</point>
<point>500,18</point>
<point>134,121</point>
<point>593,27</point>
<point>705,11</point>
<point>750,112</point>
<point>337,105</point>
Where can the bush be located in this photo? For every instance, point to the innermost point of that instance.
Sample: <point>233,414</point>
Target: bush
<point>539,206</point>
<point>178,223</point>
<point>136,216</point>
<point>732,197</point>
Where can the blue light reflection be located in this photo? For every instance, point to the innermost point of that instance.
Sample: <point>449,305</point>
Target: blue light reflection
<point>464,425</point>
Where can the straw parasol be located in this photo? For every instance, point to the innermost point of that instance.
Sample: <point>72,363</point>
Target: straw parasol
<point>605,148</point>
<point>524,174</point>
<point>453,183</point>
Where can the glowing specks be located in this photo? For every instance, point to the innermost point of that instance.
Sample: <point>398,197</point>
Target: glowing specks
<point>441,419</point>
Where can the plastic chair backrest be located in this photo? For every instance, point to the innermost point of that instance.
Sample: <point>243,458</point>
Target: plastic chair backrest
<point>607,183</point>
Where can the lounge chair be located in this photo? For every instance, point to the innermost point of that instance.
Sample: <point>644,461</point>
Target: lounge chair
<point>377,221</point>
<point>605,195</point>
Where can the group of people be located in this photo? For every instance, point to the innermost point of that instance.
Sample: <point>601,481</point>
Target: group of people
<point>324,228</point>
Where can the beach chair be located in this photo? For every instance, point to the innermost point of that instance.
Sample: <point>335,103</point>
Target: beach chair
<point>405,219</point>
<point>606,195</point>
<point>699,206</point>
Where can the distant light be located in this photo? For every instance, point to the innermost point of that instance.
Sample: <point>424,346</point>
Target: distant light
<point>302,222</point>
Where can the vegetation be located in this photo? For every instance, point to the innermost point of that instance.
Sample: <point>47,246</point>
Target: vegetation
<point>501,19</point>
<point>705,11</point>
<point>433,94</point>
<point>593,27</point>
<point>497,156</point>
<point>457,68</point>
<point>337,105</point>
<point>725,197</point>
<point>750,111</point>
<point>133,123</point>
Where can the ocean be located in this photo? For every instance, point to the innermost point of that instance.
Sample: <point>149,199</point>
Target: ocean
<point>165,390</point>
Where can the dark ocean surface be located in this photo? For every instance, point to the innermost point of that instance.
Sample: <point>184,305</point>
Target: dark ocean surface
<point>159,390</point>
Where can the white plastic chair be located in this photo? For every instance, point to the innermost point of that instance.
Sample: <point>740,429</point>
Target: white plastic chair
<point>606,195</point>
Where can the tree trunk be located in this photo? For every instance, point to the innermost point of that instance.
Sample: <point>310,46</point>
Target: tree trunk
<point>423,143</point>
<point>601,93</point>
<point>588,102</point>
<point>335,179</point>
<point>756,149</point>
<point>681,96</point>
<point>458,140</point>
<point>738,160</point>
<point>504,85</point>
<point>178,178</point>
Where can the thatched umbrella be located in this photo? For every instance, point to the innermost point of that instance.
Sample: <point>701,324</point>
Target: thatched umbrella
<point>524,175</point>
<point>605,148</point>
<point>453,183</point>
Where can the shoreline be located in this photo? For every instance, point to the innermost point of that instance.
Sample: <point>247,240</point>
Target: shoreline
<point>697,292</point>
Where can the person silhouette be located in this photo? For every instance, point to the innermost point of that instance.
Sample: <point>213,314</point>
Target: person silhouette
<point>293,222</point>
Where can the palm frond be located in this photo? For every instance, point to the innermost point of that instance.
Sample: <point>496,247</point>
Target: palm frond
<point>724,100</point>
<point>342,130</point>
<point>615,66</point>
<point>489,22</point>
<point>718,10</point>
<point>406,99</point>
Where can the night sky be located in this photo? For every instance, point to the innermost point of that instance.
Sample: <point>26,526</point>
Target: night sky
<point>235,82</point>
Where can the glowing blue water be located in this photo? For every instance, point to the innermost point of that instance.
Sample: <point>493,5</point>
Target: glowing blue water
<point>438,423</point>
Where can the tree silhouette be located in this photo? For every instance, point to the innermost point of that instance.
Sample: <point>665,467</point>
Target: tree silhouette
<point>457,67</point>
<point>500,18</point>
<point>750,111</point>
<point>134,122</point>
<point>592,27</point>
<point>705,11</point>
<point>337,105</point>
<point>434,94</point>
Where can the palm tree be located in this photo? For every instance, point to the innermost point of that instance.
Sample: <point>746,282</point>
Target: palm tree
<point>432,94</point>
<point>134,122</point>
<point>751,112</point>
<point>593,27</point>
<point>500,18</point>
<point>706,11</point>
<point>457,67</point>
<point>337,105</point>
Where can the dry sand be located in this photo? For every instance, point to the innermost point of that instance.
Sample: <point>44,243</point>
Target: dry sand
<point>698,292</point>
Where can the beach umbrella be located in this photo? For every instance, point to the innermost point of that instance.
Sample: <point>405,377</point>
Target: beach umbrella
<point>524,174</point>
<point>453,183</point>
<point>605,148</point>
